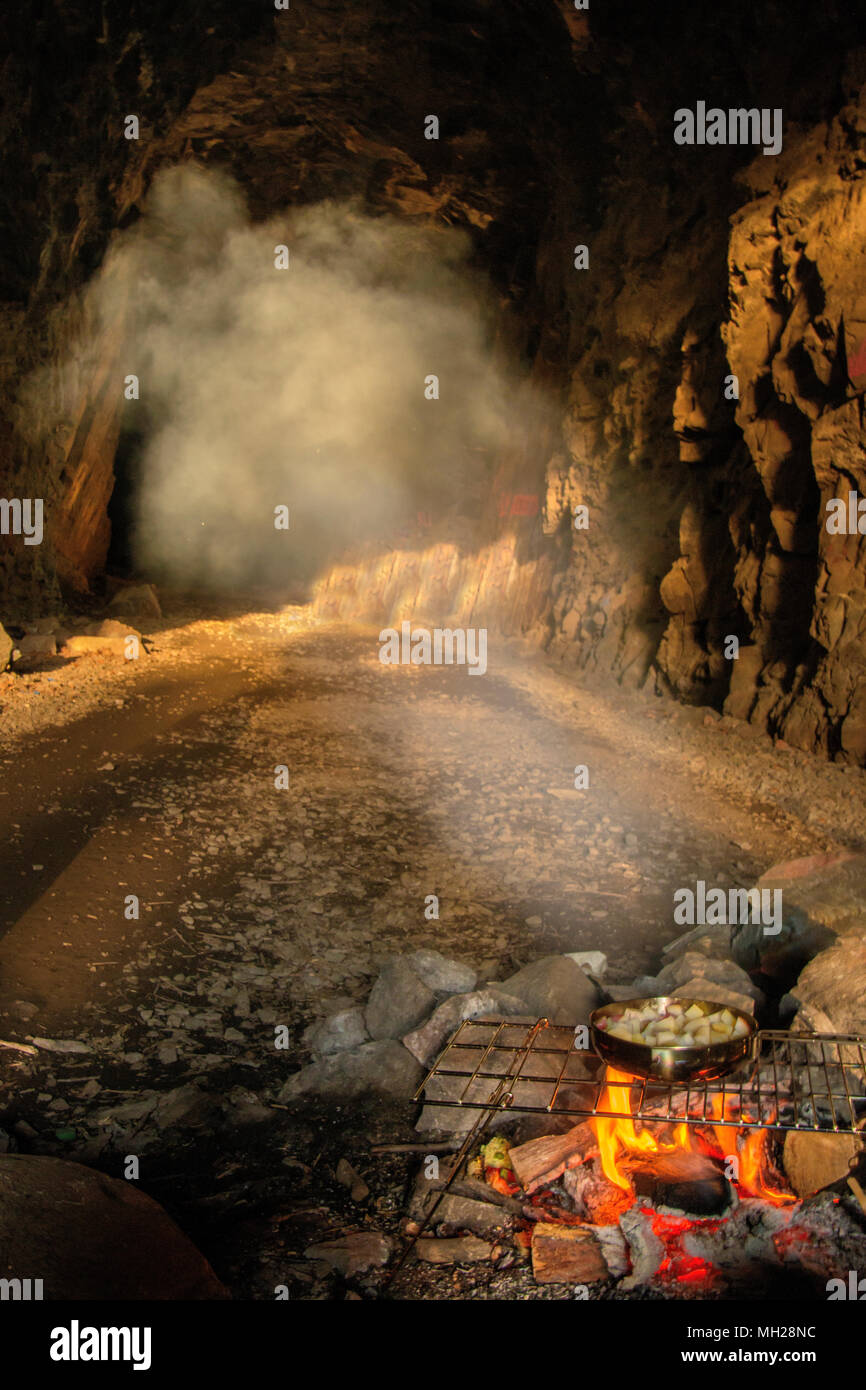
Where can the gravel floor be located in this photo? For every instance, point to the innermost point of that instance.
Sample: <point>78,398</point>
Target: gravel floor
<point>262,906</point>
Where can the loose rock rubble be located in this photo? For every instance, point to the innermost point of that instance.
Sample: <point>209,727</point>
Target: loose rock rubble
<point>203,1035</point>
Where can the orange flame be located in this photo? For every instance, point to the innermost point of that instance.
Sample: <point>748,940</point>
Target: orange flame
<point>618,1138</point>
<point>750,1145</point>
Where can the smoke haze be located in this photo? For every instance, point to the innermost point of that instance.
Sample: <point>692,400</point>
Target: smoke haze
<point>302,387</point>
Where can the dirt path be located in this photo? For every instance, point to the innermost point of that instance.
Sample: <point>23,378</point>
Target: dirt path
<point>261,905</point>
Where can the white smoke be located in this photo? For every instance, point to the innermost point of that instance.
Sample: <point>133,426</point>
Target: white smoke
<point>302,387</point>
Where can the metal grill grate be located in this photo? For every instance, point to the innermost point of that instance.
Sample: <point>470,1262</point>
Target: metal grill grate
<point>806,1081</point>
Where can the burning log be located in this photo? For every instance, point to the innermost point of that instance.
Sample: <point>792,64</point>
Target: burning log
<point>595,1196</point>
<point>541,1161</point>
<point>681,1180</point>
<point>814,1161</point>
<point>566,1255</point>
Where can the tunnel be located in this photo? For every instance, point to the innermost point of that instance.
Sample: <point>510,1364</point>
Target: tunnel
<point>432,653</point>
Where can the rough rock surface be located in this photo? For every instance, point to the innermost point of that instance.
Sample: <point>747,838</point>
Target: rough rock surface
<point>440,974</point>
<point>339,1032</point>
<point>89,1236</point>
<point>352,1254</point>
<point>554,987</point>
<point>137,601</point>
<point>822,900</point>
<point>693,965</point>
<point>383,1067</point>
<point>426,1042</point>
<point>399,1000</point>
<point>830,990</point>
<point>706,504</point>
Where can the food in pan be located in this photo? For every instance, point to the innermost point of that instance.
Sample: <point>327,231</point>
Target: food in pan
<point>677,1023</point>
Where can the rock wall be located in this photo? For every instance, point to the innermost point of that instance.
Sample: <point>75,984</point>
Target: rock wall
<point>704,504</point>
<point>706,497</point>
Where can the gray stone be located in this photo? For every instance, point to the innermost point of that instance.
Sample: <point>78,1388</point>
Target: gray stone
<point>466,1214</point>
<point>715,993</point>
<point>243,1107</point>
<point>136,601</point>
<point>339,1032</point>
<point>822,900</point>
<point>693,965</point>
<point>426,1042</point>
<point>63,1045</point>
<point>465,1098</point>
<point>714,942</point>
<point>554,987</point>
<point>186,1107</point>
<point>34,648</point>
<point>619,992</point>
<point>591,962</point>
<point>831,993</point>
<point>91,1237</point>
<point>383,1067</point>
<point>398,1002</point>
<point>439,973</point>
<point>352,1254</point>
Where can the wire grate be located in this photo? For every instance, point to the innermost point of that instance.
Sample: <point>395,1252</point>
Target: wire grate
<point>805,1081</point>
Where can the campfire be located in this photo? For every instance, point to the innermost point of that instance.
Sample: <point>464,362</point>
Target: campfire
<point>623,1148</point>
<point>679,1184</point>
<point>676,1179</point>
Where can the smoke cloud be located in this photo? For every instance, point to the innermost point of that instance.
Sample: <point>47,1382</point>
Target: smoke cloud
<point>301,387</point>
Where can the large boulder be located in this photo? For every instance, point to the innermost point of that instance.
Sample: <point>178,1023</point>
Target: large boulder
<point>555,988</point>
<point>136,601</point>
<point>34,648</point>
<point>89,1236</point>
<point>823,898</point>
<point>380,1068</point>
<point>399,1001</point>
<point>426,1042</point>
<point>441,974</point>
<point>339,1032</point>
<point>693,965</point>
<point>830,992</point>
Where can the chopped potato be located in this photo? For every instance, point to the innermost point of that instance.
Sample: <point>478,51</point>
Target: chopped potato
<point>674,1024</point>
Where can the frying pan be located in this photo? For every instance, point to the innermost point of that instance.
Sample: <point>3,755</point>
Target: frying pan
<point>687,1063</point>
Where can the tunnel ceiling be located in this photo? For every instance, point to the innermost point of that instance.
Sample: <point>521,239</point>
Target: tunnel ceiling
<point>705,509</point>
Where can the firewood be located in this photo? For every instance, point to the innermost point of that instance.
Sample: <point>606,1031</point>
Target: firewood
<point>814,1161</point>
<point>541,1161</point>
<point>458,1250</point>
<point>566,1255</point>
<point>683,1180</point>
<point>595,1196</point>
<point>478,1192</point>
